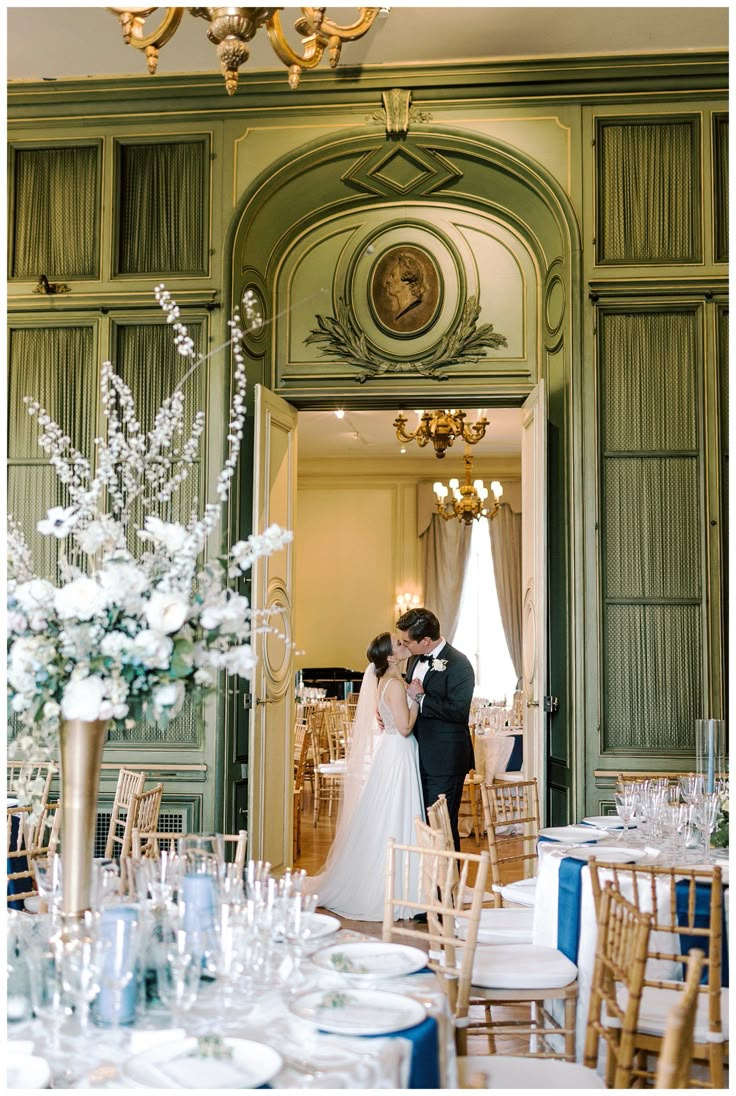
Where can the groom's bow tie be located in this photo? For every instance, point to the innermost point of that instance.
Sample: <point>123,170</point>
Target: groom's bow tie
<point>424,658</point>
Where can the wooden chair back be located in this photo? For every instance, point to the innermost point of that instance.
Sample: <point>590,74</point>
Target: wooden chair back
<point>130,783</point>
<point>686,905</point>
<point>620,960</point>
<point>152,843</point>
<point>676,1057</point>
<point>38,773</point>
<point>430,888</point>
<point>239,843</point>
<point>145,811</point>
<point>506,805</point>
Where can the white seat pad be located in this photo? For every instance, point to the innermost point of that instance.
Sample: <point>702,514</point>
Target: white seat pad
<point>656,1005</point>
<point>501,926</point>
<point>527,966</point>
<point>523,892</point>
<point>502,1071</point>
<point>332,768</point>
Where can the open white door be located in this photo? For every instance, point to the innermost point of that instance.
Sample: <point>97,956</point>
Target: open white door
<point>270,762</point>
<point>534,586</point>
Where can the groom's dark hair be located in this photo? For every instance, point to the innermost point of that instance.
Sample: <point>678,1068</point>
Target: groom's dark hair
<point>419,623</point>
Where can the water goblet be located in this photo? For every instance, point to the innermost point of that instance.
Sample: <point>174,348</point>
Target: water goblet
<point>51,1007</point>
<point>691,786</point>
<point>47,870</point>
<point>179,968</point>
<point>81,956</point>
<point>298,929</point>
<point>625,807</point>
<point>706,811</point>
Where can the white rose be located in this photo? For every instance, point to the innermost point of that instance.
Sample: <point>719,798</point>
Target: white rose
<point>115,644</point>
<point>170,697</point>
<point>51,710</point>
<point>19,703</point>
<point>206,677</point>
<point>83,698</point>
<point>38,593</point>
<point>240,660</point>
<point>122,581</point>
<point>171,535</point>
<point>81,599</point>
<point>153,648</point>
<point>166,612</point>
<point>16,621</point>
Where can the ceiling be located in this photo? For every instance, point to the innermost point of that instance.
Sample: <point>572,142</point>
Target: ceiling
<point>369,435</point>
<point>55,42</point>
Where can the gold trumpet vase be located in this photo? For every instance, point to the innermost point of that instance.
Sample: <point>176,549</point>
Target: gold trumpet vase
<point>82,744</point>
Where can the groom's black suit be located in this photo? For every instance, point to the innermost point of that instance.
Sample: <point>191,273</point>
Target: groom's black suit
<point>442,731</point>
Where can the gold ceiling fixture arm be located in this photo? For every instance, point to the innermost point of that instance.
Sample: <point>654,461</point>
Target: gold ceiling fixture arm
<point>467,501</point>
<point>441,428</point>
<point>132,22</point>
<point>232,28</point>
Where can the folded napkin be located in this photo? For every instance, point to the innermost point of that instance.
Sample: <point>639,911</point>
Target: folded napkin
<point>424,1071</point>
<point>205,1073</point>
<point>144,1040</point>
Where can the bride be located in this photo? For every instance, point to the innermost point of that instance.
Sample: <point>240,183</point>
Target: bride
<point>382,793</point>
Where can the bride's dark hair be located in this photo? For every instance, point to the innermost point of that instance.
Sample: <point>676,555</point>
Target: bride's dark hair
<point>379,651</point>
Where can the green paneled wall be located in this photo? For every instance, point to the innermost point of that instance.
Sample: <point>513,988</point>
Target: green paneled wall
<point>622,159</point>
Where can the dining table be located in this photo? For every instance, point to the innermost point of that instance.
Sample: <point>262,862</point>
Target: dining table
<point>564,911</point>
<point>498,754</point>
<point>341,1026</point>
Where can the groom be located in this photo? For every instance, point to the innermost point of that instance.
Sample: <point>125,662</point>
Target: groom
<point>441,679</point>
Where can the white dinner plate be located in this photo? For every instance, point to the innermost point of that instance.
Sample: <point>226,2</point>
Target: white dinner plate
<point>359,1011</point>
<point>179,1064</point>
<point>370,959</point>
<point>26,1070</point>
<point>320,924</point>
<point>608,822</point>
<point>572,834</point>
<point>613,854</point>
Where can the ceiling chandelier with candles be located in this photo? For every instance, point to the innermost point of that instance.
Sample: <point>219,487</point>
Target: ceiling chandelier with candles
<point>467,501</point>
<point>232,28</point>
<point>441,428</point>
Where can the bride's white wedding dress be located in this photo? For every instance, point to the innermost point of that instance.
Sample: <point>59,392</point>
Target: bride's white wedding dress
<point>353,882</point>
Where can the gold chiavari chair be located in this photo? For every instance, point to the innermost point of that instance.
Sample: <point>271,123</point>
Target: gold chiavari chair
<point>330,769</point>
<point>512,806</point>
<point>301,749</point>
<point>675,1061</point>
<point>686,905</point>
<point>239,844</point>
<point>37,774</point>
<point>153,843</point>
<point>21,825</point>
<point>429,888</point>
<point>497,926</point>
<point>618,981</point>
<point>130,783</point>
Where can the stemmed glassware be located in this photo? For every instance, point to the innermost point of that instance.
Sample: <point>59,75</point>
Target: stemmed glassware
<point>116,1001</point>
<point>179,968</point>
<point>705,813</point>
<point>298,922</point>
<point>50,1006</point>
<point>81,956</point>
<point>626,802</point>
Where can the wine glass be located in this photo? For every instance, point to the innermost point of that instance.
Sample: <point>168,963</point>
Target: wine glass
<point>691,786</point>
<point>51,1007</point>
<point>706,811</point>
<point>625,807</point>
<point>179,968</point>
<point>298,929</point>
<point>81,956</point>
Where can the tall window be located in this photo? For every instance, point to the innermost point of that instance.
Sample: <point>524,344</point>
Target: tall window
<point>479,633</point>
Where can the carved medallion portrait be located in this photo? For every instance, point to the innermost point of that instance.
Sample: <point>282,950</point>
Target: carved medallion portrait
<point>405,290</point>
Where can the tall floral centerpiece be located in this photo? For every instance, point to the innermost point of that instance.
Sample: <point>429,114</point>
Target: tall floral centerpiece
<point>138,618</point>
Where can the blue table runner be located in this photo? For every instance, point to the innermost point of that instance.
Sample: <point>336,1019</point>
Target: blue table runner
<point>701,921</point>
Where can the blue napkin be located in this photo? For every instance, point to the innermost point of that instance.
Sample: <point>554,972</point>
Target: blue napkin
<point>516,761</point>
<point>16,863</point>
<point>424,1071</point>
<point>701,921</point>
<point>568,906</point>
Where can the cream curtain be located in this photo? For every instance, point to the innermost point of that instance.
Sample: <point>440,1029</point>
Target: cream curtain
<point>445,549</point>
<point>506,552</point>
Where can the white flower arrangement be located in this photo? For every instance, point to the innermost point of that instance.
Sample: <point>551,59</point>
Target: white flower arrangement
<point>438,665</point>
<point>123,638</point>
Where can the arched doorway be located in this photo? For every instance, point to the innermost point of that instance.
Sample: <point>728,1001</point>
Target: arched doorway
<point>497,244</point>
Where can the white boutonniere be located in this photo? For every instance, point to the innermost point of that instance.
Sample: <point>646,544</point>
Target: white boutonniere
<point>438,664</point>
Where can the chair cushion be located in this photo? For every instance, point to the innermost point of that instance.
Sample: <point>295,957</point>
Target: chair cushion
<point>656,1004</point>
<point>332,768</point>
<point>524,966</point>
<point>502,1071</point>
<point>522,893</point>
<point>501,926</point>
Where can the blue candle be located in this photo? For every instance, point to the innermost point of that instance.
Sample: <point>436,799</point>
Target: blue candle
<point>710,781</point>
<point>198,897</point>
<point>118,926</point>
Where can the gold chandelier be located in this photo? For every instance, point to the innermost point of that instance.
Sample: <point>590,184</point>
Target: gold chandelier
<point>441,428</point>
<point>467,501</point>
<point>232,28</point>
